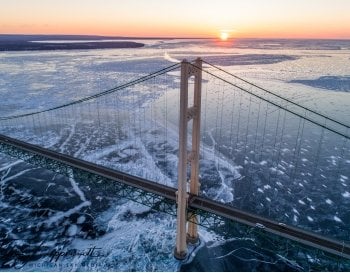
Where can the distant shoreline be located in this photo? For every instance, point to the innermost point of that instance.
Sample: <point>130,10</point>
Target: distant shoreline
<point>25,42</point>
<point>33,46</point>
<point>40,37</point>
<point>47,37</point>
<point>19,42</point>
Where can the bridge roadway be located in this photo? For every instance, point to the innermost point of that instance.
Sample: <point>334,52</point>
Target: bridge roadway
<point>140,187</point>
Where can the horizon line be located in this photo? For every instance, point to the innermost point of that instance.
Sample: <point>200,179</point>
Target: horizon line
<point>168,37</point>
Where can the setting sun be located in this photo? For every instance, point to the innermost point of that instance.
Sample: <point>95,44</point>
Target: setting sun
<point>222,19</point>
<point>224,36</point>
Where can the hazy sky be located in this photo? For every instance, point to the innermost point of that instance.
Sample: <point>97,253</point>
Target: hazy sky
<point>185,18</point>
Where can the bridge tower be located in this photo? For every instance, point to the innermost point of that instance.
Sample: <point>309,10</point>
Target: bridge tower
<point>186,114</point>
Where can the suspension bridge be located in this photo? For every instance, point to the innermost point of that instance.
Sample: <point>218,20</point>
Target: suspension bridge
<point>258,163</point>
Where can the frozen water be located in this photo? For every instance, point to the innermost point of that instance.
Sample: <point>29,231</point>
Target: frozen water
<point>81,220</point>
<point>310,219</point>
<point>346,194</point>
<point>336,83</point>
<point>77,215</point>
<point>72,230</point>
<point>329,201</point>
<point>337,219</point>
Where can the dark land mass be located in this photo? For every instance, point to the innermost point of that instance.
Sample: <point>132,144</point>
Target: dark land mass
<point>28,42</point>
<point>48,37</point>
<point>20,42</point>
<point>24,45</point>
<point>11,42</point>
<point>27,38</point>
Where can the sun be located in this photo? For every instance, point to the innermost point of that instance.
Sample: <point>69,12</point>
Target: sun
<point>224,36</point>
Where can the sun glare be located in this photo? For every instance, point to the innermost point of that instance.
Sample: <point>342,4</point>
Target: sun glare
<point>224,36</point>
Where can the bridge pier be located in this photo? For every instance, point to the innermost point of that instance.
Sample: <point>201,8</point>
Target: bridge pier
<point>186,114</point>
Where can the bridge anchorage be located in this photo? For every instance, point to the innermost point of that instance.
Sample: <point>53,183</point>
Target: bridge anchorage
<point>275,139</point>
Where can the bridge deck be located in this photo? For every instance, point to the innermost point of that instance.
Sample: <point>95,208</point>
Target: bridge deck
<point>197,204</point>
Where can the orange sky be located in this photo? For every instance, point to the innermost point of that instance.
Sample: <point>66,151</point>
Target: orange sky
<point>180,18</point>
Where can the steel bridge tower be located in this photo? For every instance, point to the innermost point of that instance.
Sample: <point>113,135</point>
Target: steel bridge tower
<point>189,235</point>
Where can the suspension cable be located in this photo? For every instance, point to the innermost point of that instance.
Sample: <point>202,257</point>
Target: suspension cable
<point>109,91</point>
<point>279,96</point>
<point>279,106</point>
